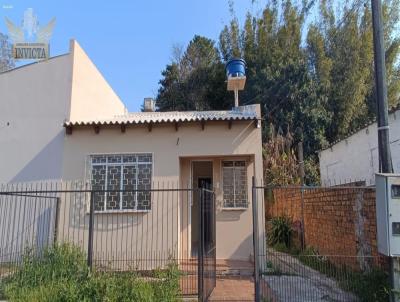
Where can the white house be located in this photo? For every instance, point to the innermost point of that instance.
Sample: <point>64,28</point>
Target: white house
<point>60,120</point>
<point>355,158</point>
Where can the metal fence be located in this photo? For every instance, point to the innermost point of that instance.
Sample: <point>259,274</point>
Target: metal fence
<point>312,244</point>
<point>319,244</point>
<point>35,216</point>
<point>207,248</point>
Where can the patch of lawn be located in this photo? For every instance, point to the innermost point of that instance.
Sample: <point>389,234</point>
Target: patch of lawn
<point>61,274</point>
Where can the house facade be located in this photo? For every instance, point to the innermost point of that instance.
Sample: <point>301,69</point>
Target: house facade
<point>355,158</point>
<point>181,149</point>
<point>64,122</point>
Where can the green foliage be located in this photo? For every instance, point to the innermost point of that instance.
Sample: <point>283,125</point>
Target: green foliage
<point>193,80</point>
<point>280,231</point>
<point>311,171</point>
<point>309,65</point>
<point>282,247</point>
<point>311,258</point>
<point>61,274</point>
<point>271,269</point>
<point>280,162</point>
<point>372,286</point>
<point>369,286</point>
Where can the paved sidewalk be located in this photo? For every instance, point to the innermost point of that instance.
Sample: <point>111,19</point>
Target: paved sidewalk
<point>297,282</point>
<point>233,288</point>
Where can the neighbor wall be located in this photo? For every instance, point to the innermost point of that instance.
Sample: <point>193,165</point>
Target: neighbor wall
<point>34,102</point>
<point>356,157</point>
<point>91,95</point>
<point>338,222</point>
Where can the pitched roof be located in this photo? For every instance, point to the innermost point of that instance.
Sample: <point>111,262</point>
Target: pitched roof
<point>239,113</point>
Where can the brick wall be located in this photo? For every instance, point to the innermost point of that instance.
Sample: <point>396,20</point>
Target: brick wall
<point>338,222</point>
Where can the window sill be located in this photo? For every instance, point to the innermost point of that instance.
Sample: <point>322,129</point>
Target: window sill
<point>234,209</point>
<point>121,212</point>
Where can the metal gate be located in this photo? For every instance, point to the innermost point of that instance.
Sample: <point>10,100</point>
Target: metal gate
<point>207,246</point>
<point>317,244</point>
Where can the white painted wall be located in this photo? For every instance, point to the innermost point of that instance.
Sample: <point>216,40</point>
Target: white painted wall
<point>91,95</point>
<point>356,157</point>
<point>35,101</point>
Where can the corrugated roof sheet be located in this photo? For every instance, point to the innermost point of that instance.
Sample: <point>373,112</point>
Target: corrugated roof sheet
<point>239,113</point>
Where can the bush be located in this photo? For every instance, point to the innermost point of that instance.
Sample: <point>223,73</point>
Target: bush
<point>371,286</point>
<point>280,231</point>
<point>61,274</point>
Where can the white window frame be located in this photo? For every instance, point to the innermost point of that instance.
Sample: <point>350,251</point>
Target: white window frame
<point>234,207</point>
<point>121,164</point>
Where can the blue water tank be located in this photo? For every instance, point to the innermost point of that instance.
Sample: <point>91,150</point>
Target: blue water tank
<point>236,68</point>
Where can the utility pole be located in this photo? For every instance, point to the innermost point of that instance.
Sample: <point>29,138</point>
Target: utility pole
<point>301,174</point>
<point>385,158</point>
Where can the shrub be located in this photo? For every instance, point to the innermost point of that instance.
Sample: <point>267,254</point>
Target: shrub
<point>280,162</point>
<point>166,289</point>
<point>60,274</point>
<point>370,286</point>
<point>55,272</point>
<point>280,231</point>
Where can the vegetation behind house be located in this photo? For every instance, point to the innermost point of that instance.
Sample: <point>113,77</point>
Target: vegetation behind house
<point>309,65</point>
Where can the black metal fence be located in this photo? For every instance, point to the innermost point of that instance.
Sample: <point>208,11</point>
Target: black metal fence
<point>35,216</point>
<point>318,244</point>
<point>207,249</point>
<point>311,243</point>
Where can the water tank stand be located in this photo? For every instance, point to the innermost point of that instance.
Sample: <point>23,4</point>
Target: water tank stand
<point>236,98</point>
<point>235,84</point>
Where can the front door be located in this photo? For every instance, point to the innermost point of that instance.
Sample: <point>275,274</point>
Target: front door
<point>204,183</point>
<point>202,172</point>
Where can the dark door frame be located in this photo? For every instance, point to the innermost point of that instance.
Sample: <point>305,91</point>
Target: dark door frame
<point>194,210</point>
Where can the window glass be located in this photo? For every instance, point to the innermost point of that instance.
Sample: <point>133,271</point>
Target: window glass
<point>121,182</point>
<point>234,179</point>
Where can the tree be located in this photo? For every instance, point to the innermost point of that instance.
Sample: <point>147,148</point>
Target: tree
<point>6,59</point>
<point>340,54</point>
<point>280,162</point>
<point>194,80</point>
<point>313,79</point>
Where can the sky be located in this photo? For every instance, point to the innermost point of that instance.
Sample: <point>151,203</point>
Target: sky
<point>130,42</point>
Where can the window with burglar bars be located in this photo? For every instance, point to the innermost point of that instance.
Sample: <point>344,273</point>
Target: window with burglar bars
<point>125,173</point>
<point>234,179</point>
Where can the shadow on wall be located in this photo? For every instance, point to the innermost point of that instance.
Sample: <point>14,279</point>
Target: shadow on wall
<point>28,223</point>
<point>244,251</point>
<point>47,164</point>
<point>229,215</point>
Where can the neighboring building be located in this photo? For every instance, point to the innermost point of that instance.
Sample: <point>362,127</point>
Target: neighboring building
<point>35,101</point>
<point>355,158</point>
<point>61,120</point>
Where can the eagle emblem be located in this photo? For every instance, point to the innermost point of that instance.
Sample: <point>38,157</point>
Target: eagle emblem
<point>32,28</point>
